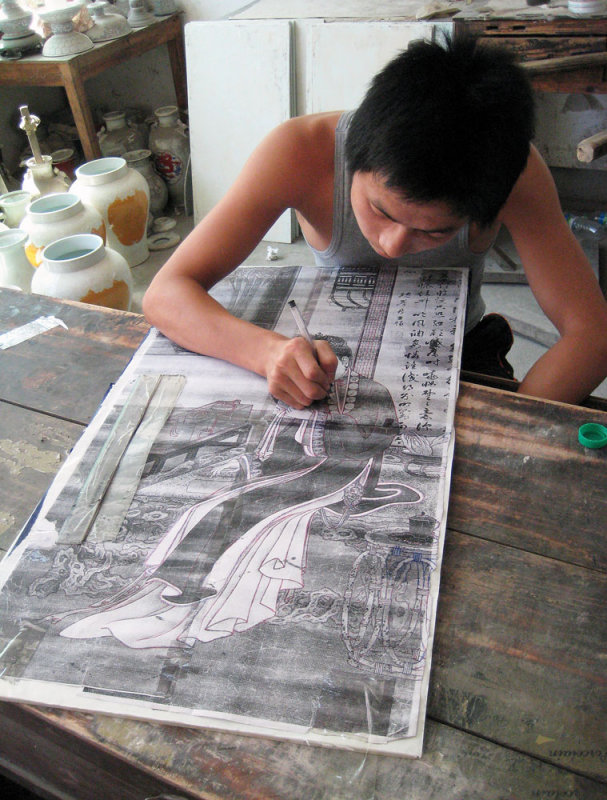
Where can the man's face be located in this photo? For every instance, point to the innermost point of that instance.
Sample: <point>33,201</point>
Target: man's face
<point>395,226</point>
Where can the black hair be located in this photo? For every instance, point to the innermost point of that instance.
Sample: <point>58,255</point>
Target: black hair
<point>450,123</point>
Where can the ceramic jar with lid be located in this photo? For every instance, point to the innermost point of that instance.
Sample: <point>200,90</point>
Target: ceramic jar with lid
<point>141,160</point>
<point>122,197</point>
<point>15,270</point>
<point>43,178</point>
<point>55,216</point>
<point>82,268</point>
<point>119,137</point>
<point>170,145</point>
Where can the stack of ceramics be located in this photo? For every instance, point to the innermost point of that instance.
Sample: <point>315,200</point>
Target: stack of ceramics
<point>107,25</point>
<point>56,216</point>
<point>64,40</point>
<point>17,39</point>
<point>122,197</point>
<point>82,268</point>
<point>139,16</point>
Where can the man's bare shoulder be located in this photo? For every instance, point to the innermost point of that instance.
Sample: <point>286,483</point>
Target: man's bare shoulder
<point>310,137</point>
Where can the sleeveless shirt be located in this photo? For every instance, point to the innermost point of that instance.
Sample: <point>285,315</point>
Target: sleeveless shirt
<point>349,248</point>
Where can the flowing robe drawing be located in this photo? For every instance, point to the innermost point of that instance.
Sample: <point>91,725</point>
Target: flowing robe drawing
<point>326,460</point>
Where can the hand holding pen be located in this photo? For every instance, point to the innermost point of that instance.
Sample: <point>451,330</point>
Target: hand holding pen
<point>302,369</point>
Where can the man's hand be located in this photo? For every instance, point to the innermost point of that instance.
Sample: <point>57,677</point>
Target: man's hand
<point>298,376</point>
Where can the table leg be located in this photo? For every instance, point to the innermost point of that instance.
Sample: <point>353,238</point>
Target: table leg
<point>177,59</point>
<point>76,95</point>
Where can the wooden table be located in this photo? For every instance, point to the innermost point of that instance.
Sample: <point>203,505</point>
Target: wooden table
<point>71,72</point>
<point>518,694</point>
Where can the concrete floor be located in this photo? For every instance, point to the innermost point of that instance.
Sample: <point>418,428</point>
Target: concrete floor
<point>514,301</point>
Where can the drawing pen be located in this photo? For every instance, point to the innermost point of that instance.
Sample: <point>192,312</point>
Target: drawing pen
<point>301,326</point>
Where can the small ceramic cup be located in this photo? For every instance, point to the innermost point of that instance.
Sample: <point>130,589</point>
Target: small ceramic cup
<point>14,205</point>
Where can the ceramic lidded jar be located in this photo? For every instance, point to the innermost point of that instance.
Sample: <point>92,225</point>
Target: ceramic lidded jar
<point>122,197</point>
<point>55,216</point>
<point>170,145</point>
<point>42,178</point>
<point>141,160</point>
<point>82,268</point>
<point>15,270</point>
<point>118,137</point>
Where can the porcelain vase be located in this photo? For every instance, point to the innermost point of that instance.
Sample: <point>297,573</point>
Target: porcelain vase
<point>119,137</point>
<point>56,216</point>
<point>15,270</point>
<point>141,160</point>
<point>170,145</point>
<point>82,268</point>
<point>41,179</point>
<point>122,197</point>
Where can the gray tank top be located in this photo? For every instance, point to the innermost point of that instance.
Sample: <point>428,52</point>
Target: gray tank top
<point>349,248</point>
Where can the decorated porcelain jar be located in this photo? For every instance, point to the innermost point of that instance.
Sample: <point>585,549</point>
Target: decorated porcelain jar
<point>15,270</point>
<point>122,197</point>
<point>170,145</point>
<point>41,179</point>
<point>55,216</point>
<point>82,268</point>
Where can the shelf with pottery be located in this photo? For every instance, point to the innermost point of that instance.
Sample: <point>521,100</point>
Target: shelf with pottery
<point>71,71</point>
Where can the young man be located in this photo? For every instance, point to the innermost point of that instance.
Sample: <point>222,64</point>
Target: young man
<point>424,172</point>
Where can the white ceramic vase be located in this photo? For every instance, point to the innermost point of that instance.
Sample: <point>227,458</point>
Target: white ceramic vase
<point>122,197</point>
<point>14,205</point>
<point>141,160</point>
<point>82,268</point>
<point>169,142</point>
<point>119,137</point>
<point>41,179</point>
<point>56,216</point>
<point>15,270</point>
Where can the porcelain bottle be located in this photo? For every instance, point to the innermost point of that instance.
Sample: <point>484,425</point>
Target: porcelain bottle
<point>55,216</point>
<point>118,137</point>
<point>141,160</point>
<point>170,145</point>
<point>15,270</point>
<point>82,268</point>
<point>122,197</point>
<point>41,179</point>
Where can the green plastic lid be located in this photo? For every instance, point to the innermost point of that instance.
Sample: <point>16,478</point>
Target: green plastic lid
<point>592,435</point>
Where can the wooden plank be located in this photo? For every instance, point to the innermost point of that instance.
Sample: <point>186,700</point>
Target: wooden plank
<point>32,448</point>
<point>52,372</point>
<point>519,475</point>
<point>519,653</point>
<point>211,764</point>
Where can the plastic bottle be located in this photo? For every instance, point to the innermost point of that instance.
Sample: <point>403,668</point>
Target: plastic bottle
<point>588,228</point>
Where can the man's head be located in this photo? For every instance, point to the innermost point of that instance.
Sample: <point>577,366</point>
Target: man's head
<point>448,123</point>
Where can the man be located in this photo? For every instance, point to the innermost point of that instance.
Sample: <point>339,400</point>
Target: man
<point>424,172</point>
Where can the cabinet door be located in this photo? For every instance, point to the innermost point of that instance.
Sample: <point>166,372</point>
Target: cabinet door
<point>239,88</point>
<point>339,59</point>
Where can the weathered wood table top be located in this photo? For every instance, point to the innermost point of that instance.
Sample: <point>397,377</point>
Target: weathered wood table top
<point>518,692</point>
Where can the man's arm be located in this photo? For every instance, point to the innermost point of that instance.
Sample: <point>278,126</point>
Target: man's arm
<point>564,285</point>
<point>278,175</point>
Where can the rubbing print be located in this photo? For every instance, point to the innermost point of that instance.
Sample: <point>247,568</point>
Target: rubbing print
<point>210,554</point>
